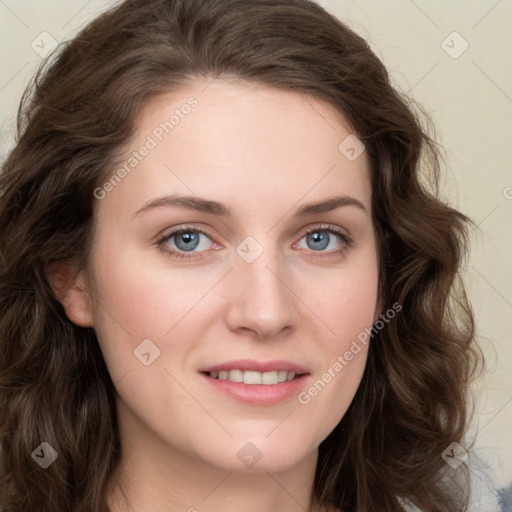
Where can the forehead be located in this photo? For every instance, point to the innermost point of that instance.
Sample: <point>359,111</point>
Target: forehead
<point>242,142</point>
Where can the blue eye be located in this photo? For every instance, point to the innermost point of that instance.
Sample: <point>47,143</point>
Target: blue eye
<point>183,243</point>
<point>185,240</point>
<point>320,237</point>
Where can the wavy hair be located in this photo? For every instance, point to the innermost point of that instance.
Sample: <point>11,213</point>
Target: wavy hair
<point>414,397</point>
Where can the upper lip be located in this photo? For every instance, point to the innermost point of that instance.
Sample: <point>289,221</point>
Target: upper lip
<point>256,366</point>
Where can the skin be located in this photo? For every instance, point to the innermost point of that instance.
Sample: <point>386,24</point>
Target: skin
<point>262,152</point>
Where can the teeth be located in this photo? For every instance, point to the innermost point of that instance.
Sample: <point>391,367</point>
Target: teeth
<point>269,378</point>
<point>236,375</point>
<point>250,377</point>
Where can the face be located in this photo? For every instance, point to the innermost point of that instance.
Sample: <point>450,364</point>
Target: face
<point>207,264</point>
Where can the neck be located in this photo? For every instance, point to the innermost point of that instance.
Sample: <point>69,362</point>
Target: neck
<point>154,477</point>
<point>140,488</point>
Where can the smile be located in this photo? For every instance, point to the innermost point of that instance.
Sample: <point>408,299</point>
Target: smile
<point>257,382</point>
<point>252,377</point>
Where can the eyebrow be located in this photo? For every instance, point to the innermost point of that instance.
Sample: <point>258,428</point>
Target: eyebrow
<point>215,208</point>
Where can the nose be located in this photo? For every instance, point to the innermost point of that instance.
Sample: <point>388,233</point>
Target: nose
<point>261,298</point>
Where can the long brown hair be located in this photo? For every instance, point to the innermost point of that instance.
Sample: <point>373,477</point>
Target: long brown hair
<point>413,401</point>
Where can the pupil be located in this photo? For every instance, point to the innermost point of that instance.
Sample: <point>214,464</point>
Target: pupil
<point>316,237</point>
<point>186,241</point>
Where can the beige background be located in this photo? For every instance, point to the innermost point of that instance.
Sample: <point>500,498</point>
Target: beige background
<point>470,99</point>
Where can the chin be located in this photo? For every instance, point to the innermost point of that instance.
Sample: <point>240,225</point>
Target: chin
<point>259,454</point>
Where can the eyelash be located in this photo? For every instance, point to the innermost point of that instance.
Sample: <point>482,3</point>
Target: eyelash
<point>347,240</point>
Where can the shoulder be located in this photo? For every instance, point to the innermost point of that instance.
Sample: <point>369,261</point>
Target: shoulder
<point>484,496</point>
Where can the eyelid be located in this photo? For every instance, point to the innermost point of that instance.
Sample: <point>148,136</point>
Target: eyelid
<point>162,238</point>
<point>167,233</point>
<point>346,238</point>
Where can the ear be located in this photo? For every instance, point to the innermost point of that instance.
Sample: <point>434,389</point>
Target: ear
<point>69,286</point>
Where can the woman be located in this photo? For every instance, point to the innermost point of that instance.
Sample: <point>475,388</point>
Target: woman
<point>225,283</point>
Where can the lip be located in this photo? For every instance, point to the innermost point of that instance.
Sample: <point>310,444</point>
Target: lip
<point>258,394</point>
<point>256,366</point>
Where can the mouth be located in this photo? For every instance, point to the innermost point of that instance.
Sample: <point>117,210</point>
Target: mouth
<point>250,377</point>
<point>257,382</point>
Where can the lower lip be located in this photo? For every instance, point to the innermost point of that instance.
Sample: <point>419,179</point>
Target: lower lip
<point>259,394</point>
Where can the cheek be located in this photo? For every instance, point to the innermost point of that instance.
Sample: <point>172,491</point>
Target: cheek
<point>348,306</point>
<point>349,300</point>
<point>136,301</point>
<point>125,307</point>
<point>143,299</point>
